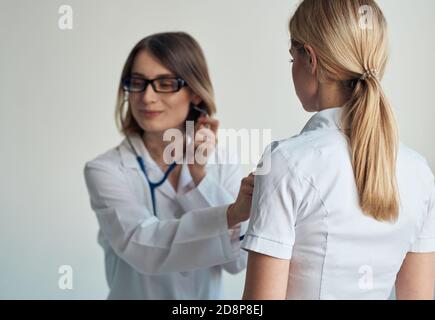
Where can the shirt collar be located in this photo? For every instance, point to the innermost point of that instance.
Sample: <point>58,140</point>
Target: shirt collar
<point>326,119</point>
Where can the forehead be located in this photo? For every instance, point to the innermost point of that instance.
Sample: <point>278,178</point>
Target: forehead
<point>146,65</point>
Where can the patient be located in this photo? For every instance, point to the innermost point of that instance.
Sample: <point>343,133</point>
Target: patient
<point>347,212</point>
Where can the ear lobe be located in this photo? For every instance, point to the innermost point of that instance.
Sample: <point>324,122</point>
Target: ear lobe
<point>313,66</point>
<point>196,100</point>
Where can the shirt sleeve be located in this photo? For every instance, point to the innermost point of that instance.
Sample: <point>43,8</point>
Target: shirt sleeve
<point>425,241</point>
<point>271,229</point>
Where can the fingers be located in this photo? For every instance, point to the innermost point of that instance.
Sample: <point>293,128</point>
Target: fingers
<point>206,130</point>
<point>247,185</point>
<point>205,134</point>
<point>249,180</point>
<point>212,124</point>
<point>247,190</point>
<point>205,138</point>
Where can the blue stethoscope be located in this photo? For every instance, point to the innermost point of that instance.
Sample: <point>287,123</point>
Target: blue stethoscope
<point>154,185</point>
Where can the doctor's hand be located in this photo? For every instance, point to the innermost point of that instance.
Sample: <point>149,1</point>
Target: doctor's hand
<point>240,210</point>
<point>205,141</point>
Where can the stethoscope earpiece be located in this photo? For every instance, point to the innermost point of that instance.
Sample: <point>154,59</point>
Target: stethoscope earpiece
<point>202,111</point>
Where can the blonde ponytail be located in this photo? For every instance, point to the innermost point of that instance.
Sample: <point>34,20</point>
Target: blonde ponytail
<point>373,145</point>
<point>346,51</point>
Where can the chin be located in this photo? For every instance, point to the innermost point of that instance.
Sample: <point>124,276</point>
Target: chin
<point>153,127</point>
<point>159,126</point>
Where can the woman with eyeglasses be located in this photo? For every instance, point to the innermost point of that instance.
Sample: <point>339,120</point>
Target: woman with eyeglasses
<point>169,222</point>
<point>347,212</point>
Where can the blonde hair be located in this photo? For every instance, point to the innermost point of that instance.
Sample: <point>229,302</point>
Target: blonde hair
<point>182,55</point>
<point>351,42</point>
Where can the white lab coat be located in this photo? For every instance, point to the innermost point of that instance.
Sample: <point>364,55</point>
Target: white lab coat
<point>180,253</point>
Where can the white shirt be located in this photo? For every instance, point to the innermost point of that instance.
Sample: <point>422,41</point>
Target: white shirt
<point>180,253</point>
<point>306,210</point>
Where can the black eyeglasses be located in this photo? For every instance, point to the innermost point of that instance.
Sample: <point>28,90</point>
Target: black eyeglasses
<point>160,85</point>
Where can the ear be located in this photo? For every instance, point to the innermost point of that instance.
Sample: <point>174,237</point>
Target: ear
<point>196,99</point>
<point>312,59</point>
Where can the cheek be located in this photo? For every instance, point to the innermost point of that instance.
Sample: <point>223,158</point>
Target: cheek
<point>135,102</point>
<point>177,109</point>
<point>298,80</point>
<point>304,82</point>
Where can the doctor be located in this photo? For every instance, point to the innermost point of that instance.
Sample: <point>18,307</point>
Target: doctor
<point>167,228</point>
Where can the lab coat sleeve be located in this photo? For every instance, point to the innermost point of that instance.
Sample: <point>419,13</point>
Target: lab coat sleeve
<point>215,191</point>
<point>199,239</point>
<point>240,263</point>
<point>212,190</point>
<point>425,242</point>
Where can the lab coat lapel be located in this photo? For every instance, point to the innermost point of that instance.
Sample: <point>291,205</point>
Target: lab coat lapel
<point>154,172</point>
<point>185,178</point>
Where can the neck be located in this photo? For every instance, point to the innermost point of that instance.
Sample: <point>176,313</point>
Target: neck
<point>331,95</point>
<point>155,145</point>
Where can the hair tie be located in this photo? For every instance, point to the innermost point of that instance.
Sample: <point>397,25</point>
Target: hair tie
<point>370,73</point>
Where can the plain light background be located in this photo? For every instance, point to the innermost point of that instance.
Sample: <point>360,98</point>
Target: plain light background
<point>57,98</point>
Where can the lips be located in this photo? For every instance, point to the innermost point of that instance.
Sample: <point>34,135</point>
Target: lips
<point>150,114</point>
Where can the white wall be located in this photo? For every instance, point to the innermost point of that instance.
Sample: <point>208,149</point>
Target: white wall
<point>57,94</point>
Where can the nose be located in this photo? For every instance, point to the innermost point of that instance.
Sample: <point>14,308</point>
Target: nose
<point>149,95</point>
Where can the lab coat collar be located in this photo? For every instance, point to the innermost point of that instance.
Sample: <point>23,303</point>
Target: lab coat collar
<point>155,173</point>
<point>128,156</point>
<point>325,119</point>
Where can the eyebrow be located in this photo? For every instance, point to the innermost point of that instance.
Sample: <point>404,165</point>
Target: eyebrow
<point>162,75</point>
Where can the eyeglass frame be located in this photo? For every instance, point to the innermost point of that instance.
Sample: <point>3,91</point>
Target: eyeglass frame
<point>181,83</point>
